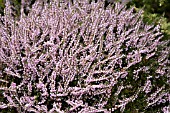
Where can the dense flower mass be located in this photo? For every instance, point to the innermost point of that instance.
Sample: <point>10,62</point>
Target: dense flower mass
<point>81,57</point>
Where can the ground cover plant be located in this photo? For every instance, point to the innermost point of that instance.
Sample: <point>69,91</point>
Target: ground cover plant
<point>81,56</point>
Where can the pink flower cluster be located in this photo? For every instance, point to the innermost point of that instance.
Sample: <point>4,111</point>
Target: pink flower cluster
<point>67,57</point>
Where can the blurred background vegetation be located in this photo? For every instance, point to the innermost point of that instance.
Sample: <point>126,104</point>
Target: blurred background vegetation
<point>155,12</point>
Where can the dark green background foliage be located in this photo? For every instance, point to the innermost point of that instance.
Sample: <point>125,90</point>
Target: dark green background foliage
<point>155,12</point>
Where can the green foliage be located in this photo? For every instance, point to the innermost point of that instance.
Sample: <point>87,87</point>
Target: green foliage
<point>155,12</point>
<point>2,6</point>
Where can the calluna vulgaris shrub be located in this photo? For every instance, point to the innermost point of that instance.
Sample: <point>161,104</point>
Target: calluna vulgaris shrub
<point>82,57</point>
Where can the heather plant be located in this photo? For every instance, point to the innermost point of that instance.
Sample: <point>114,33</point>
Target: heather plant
<point>82,57</point>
